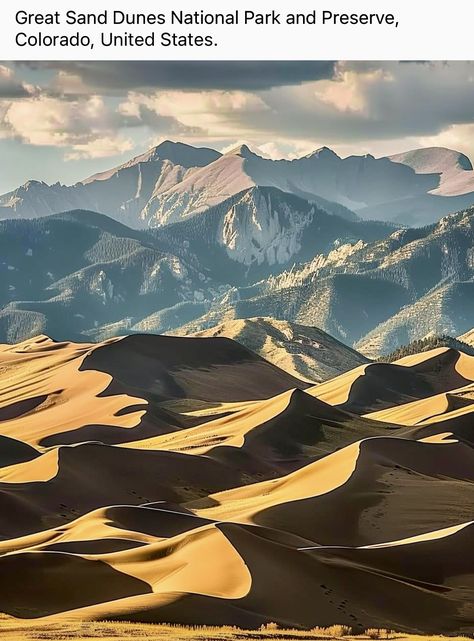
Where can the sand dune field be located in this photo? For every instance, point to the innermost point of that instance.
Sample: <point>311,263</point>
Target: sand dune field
<point>170,480</point>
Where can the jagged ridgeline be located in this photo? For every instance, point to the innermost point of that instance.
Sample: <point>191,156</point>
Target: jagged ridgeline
<point>174,181</point>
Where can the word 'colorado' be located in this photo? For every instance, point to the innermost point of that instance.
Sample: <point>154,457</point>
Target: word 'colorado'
<point>203,18</point>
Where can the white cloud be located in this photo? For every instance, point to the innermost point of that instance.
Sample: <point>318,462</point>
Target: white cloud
<point>44,120</point>
<point>87,126</point>
<point>217,112</point>
<point>289,149</point>
<point>100,148</point>
<point>273,150</point>
<point>348,91</point>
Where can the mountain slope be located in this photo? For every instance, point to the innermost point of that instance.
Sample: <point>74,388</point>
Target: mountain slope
<point>261,230</point>
<point>425,344</point>
<point>110,272</point>
<point>447,310</point>
<point>376,295</point>
<point>454,169</point>
<point>122,192</point>
<point>238,171</point>
<point>113,279</point>
<point>413,188</point>
<point>362,282</point>
<point>468,337</point>
<point>306,352</point>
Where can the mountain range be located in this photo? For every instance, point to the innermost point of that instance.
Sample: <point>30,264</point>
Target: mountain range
<point>213,238</point>
<point>174,181</point>
<point>367,285</point>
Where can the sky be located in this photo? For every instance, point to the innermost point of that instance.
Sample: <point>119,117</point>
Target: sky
<point>64,121</point>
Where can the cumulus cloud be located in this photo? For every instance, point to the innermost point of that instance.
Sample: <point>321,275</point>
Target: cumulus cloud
<point>142,110</point>
<point>270,149</point>
<point>10,86</point>
<point>49,121</point>
<point>88,127</point>
<point>215,113</point>
<point>416,98</point>
<point>290,150</point>
<point>95,109</point>
<point>366,104</point>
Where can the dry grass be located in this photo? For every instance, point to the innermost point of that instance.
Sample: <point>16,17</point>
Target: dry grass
<point>69,630</point>
<point>380,633</point>
<point>333,631</point>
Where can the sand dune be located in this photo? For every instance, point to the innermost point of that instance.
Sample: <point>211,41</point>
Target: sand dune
<point>280,434</point>
<point>238,582</point>
<point>62,393</point>
<point>439,406</point>
<point>57,395</point>
<point>209,369</point>
<point>377,386</point>
<point>13,451</point>
<point>187,480</point>
<point>63,484</point>
<point>373,490</point>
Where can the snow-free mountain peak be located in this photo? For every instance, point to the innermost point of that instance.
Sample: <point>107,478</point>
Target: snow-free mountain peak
<point>242,150</point>
<point>323,153</point>
<point>453,169</point>
<point>433,159</point>
<point>182,154</point>
<point>177,153</point>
